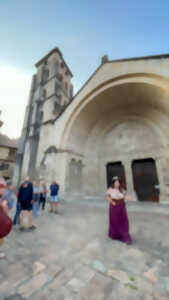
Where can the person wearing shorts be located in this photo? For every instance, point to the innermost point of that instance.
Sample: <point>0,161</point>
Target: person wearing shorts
<point>54,199</point>
<point>25,198</point>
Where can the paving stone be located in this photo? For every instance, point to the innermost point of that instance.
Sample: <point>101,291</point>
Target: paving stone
<point>122,276</point>
<point>57,253</point>
<point>64,277</point>
<point>125,292</point>
<point>134,260</point>
<point>98,288</point>
<point>38,267</point>
<point>14,297</point>
<point>2,255</point>
<point>5,289</point>
<point>42,294</point>
<point>54,270</point>
<point>160,296</point>
<point>98,266</point>
<point>149,297</point>
<point>165,283</point>
<point>75,284</point>
<point>85,274</point>
<point>33,285</point>
<point>144,285</point>
<point>150,275</point>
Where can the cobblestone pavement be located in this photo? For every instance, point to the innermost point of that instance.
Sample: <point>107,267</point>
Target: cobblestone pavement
<point>70,257</point>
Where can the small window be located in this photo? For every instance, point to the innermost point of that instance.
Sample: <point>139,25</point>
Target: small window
<point>57,87</point>
<point>41,116</point>
<point>12,152</point>
<point>57,67</point>
<point>62,65</point>
<point>59,99</point>
<point>66,86</point>
<point>44,94</point>
<point>59,76</point>
<point>55,107</point>
<point>45,75</point>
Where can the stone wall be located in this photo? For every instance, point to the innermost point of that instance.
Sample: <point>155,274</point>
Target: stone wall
<point>7,161</point>
<point>121,114</point>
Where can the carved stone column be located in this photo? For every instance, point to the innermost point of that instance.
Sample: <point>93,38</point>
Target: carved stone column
<point>159,163</point>
<point>129,178</point>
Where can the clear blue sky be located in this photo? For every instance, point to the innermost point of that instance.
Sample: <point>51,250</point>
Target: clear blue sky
<point>83,30</point>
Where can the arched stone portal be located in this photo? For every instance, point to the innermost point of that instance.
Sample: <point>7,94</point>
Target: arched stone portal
<point>122,123</point>
<point>120,114</point>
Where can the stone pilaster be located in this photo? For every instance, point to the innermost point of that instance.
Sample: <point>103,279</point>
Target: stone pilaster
<point>129,178</point>
<point>159,162</point>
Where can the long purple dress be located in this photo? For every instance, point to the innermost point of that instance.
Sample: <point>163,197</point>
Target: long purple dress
<point>118,221</point>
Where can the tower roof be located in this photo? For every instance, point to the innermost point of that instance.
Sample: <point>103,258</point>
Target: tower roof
<point>55,50</point>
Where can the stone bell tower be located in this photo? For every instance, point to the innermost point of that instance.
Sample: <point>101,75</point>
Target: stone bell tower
<point>51,91</point>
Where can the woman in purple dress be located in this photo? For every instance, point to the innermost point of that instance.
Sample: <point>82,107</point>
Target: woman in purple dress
<point>118,219</point>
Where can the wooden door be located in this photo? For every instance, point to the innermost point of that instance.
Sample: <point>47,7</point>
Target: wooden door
<point>116,169</point>
<point>145,180</point>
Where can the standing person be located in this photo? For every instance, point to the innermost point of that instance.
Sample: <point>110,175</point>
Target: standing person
<point>8,197</point>
<point>5,226</point>
<point>35,199</point>
<point>43,193</point>
<point>25,198</point>
<point>118,219</point>
<point>6,203</point>
<point>54,190</point>
<point>17,213</point>
<point>2,188</point>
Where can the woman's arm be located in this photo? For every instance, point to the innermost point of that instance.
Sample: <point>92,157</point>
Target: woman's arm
<point>111,200</point>
<point>127,197</point>
<point>5,206</point>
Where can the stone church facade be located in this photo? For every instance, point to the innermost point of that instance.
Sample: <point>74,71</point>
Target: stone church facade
<point>117,124</point>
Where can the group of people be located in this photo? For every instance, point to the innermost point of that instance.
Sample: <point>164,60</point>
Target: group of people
<point>29,198</point>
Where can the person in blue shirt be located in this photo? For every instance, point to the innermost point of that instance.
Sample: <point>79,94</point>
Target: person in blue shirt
<point>35,208</point>
<point>25,199</point>
<point>8,197</point>
<point>54,191</point>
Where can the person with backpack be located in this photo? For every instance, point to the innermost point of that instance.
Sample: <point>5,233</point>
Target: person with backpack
<point>25,199</point>
<point>54,190</point>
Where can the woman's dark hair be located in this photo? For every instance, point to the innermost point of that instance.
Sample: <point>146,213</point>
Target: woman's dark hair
<point>114,180</point>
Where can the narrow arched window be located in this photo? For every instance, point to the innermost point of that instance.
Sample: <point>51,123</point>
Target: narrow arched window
<point>44,94</point>
<point>66,86</point>
<point>41,116</point>
<point>59,97</point>
<point>57,67</point>
<point>57,87</point>
<point>45,74</point>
